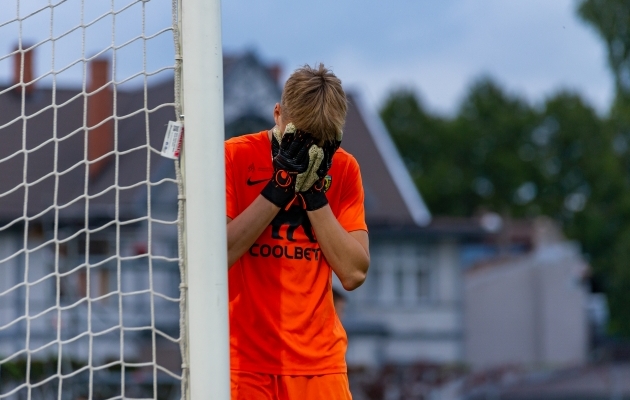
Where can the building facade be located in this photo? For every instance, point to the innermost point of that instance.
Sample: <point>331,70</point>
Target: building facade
<point>424,300</point>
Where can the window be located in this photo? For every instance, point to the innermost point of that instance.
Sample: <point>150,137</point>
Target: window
<point>97,246</point>
<point>399,283</point>
<point>399,275</point>
<point>371,287</point>
<point>422,284</point>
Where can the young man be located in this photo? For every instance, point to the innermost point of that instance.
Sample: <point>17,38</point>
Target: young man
<point>294,215</point>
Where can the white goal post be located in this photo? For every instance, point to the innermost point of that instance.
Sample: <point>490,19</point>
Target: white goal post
<point>205,199</point>
<point>113,264</point>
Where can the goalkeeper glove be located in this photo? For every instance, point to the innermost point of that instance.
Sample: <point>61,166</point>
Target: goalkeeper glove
<point>292,159</point>
<point>276,139</point>
<point>312,192</point>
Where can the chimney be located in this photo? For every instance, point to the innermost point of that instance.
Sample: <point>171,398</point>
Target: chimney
<point>275,71</point>
<point>99,107</point>
<point>27,76</point>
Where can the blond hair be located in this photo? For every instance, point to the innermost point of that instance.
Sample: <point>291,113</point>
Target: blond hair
<point>315,102</point>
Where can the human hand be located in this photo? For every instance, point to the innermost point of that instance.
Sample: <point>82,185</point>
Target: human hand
<point>291,160</point>
<point>317,183</point>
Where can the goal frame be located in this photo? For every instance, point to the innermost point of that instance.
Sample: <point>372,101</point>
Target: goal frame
<point>203,166</point>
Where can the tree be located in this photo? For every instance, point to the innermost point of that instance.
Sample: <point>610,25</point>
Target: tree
<point>503,154</point>
<point>560,160</point>
<point>611,19</point>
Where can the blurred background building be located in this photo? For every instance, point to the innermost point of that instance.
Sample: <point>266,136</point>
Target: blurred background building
<point>493,303</point>
<point>87,264</point>
<point>453,307</point>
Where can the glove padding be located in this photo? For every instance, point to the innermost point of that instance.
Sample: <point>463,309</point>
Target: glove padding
<point>306,179</point>
<point>292,159</point>
<point>313,194</point>
<point>276,139</point>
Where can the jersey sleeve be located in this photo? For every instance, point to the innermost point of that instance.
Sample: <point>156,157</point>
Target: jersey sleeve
<point>351,207</point>
<point>230,190</point>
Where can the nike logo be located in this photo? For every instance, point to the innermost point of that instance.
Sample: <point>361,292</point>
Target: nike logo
<point>252,183</point>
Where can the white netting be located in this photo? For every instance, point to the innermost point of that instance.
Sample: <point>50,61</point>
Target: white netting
<point>90,296</point>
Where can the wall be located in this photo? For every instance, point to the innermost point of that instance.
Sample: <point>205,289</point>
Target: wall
<point>527,311</point>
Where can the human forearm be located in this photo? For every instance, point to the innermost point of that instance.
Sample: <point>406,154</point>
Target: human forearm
<point>291,160</point>
<point>346,252</point>
<point>243,230</point>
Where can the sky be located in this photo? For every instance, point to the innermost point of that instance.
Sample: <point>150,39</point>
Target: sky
<point>436,48</point>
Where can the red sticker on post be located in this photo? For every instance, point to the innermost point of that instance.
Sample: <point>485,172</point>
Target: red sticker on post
<point>173,140</point>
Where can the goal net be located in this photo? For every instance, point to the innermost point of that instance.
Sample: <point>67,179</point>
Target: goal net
<point>91,303</point>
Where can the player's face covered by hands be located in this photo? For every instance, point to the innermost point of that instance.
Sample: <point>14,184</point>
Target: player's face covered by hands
<point>329,149</point>
<point>310,179</point>
<point>313,195</point>
<point>290,159</point>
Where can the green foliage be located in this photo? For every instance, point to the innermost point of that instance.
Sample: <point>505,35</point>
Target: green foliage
<point>611,20</point>
<point>559,159</point>
<point>500,153</point>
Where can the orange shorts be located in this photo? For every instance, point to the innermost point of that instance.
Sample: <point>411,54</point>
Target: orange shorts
<point>256,386</point>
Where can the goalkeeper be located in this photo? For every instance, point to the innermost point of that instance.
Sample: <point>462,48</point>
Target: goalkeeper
<point>295,214</point>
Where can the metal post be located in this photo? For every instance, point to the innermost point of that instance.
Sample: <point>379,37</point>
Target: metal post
<point>205,200</point>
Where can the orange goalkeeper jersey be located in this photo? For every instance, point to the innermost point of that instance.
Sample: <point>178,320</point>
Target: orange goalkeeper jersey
<point>282,317</point>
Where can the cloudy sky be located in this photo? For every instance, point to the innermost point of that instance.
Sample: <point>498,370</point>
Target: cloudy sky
<point>532,47</point>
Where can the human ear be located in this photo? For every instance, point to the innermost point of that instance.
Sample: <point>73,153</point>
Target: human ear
<point>276,112</point>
